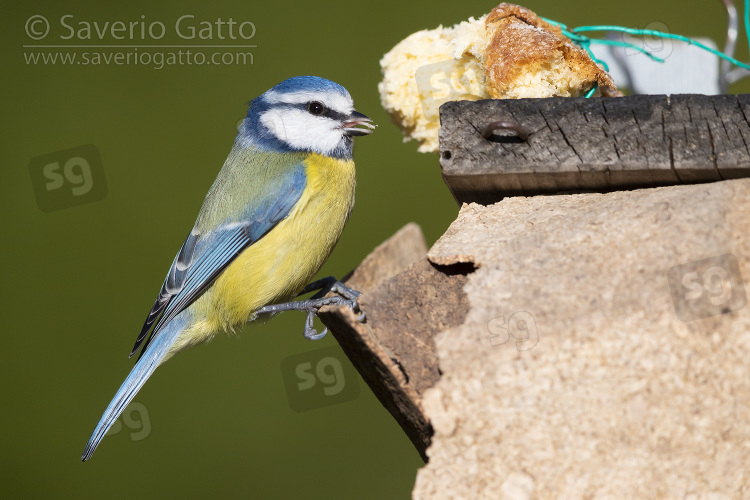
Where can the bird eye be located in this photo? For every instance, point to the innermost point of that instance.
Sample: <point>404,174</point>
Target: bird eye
<point>315,108</point>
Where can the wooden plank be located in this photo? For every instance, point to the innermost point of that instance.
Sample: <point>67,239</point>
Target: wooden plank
<point>599,144</point>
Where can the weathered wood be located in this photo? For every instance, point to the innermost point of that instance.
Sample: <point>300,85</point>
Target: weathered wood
<point>407,301</point>
<point>599,144</point>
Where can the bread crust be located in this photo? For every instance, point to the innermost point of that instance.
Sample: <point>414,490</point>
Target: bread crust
<point>509,53</point>
<point>521,42</point>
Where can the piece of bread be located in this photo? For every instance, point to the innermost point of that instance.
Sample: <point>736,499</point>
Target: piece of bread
<point>508,54</point>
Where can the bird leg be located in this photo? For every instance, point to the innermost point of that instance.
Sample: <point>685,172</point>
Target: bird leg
<point>346,297</point>
<point>330,284</point>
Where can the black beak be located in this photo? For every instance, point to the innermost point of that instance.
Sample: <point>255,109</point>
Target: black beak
<point>356,119</point>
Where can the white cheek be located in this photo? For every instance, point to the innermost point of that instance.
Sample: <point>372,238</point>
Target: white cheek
<point>301,130</point>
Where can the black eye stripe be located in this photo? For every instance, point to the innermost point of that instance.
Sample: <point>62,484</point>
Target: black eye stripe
<point>335,115</point>
<point>328,113</point>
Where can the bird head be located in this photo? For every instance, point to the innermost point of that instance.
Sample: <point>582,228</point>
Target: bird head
<point>305,114</point>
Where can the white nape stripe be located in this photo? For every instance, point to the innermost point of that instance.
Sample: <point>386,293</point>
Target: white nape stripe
<point>335,101</point>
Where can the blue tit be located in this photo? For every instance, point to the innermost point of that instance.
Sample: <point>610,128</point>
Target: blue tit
<point>267,225</point>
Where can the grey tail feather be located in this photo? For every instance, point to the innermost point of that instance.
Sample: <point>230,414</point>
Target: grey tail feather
<point>147,363</point>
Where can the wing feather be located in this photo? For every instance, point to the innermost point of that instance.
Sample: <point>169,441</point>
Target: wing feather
<point>203,256</point>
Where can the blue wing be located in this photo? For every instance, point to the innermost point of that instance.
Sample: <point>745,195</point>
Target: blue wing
<point>203,256</point>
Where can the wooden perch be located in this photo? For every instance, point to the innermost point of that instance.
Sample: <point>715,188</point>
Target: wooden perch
<point>600,144</point>
<point>407,300</point>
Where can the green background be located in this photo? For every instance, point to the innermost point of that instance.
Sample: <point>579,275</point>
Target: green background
<point>78,282</point>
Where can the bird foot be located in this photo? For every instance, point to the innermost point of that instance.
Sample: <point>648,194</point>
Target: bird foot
<point>346,297</point>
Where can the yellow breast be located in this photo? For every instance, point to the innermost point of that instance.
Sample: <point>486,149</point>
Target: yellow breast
<point>278,266</point>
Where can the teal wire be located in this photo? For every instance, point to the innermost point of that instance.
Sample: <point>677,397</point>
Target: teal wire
<point>575,35</point>
<point>601,62</point>
<point>659,34</point>
<point>585,42</point>
<point>629,46</point>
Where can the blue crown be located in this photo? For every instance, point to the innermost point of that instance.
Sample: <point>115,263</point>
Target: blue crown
<point>314,83</point>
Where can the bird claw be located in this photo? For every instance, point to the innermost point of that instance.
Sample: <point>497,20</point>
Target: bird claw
<point>346,292</point>
<point>313,334</point>
<point>345,297</point>
<point>316,305</point>
<point>310,332</point>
